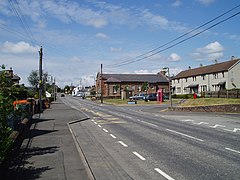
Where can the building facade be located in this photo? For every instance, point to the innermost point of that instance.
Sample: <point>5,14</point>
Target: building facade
<point>215,77</point>
<point>125,85</point>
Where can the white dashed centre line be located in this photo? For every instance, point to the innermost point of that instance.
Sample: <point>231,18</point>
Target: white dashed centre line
<point>187,120</point>
<point>123,144</point>
<point>105,130</point>
<point>149,123</point>
<point>217,125</point>
<point>201,123</point>
<point>163,174</point>
<point>139,156</point>
<point>184,135</point>
<point>113,136</point>
<point>95,122</point>
<point>232,150</point>
<point>99,126</point>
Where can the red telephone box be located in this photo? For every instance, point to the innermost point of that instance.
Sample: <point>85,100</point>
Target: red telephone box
<point>160,95</point>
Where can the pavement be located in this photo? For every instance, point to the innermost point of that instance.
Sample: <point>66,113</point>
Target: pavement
<point>47,149</point>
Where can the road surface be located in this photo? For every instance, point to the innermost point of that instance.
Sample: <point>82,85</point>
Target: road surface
<point>141,142</point>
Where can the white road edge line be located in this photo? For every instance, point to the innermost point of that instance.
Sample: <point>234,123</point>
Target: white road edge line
<point>139,156</point>
<point>123,144</point>
<point>163,174</point>
<point>105,130</point>
<point>149,123</point>
<point>232,150</point>
<point>113,136</point>
<point>184,135</point>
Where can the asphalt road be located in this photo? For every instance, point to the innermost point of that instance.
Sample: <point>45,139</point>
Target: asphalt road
<point>141,142</point>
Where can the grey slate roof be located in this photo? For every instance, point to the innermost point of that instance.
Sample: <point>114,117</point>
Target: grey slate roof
<point>150,78</point>
<point>214,68</point>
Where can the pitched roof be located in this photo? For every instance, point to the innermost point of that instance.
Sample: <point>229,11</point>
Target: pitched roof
<point>214,68</point>
<point>150,78</point>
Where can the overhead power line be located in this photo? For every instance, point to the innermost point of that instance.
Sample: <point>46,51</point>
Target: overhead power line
<point>154,51</point>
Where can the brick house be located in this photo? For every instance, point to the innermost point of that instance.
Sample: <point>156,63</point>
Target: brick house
<point>126,85</point>
<point>215,77</point>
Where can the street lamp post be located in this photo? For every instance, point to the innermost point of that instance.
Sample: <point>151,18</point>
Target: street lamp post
<point>169,85</point>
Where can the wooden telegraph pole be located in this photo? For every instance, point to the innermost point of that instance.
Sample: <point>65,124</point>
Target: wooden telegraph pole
<point>101,86</point>
<point>40,78</point>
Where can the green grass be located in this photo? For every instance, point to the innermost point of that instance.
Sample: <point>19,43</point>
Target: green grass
<point>125,102</point>
<point>209,101</point>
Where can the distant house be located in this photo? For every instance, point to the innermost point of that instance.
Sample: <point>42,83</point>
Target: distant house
<point>215,77</point>
<point>14,78</point>
<point>125,85</point>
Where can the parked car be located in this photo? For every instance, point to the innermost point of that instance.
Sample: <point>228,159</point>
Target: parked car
<point>62,95</point>
<point>81,95</point>
<point>151,97</point>
<point>140,96</point>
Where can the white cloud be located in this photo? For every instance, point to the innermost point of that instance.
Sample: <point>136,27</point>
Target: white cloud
<point>206,2</point>
<point>18,48</point>
<point>102,36</point>
<point>112,49</point>
<point>211,51</point>
<point>175,57</point>
<point>177,3</point>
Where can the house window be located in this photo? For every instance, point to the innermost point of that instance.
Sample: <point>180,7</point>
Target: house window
<point>203,77</point>
<point>194,78</point>
<point>133,88</point>
<point>215,75</point>
<point>204,88</point>
<point>223,74</point>
<point>177,80</point>
<point>114,90</point>
<point>186,79</point>
<point>178,89</point>
<point>139,88</point>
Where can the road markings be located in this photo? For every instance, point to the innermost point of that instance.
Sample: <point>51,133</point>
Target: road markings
<point>139,156</point>
<point>234,130</point>
<point>99,126</point>
<point>92,120</point>
<point>113,136</point>
<point>185,135</point>
<point>217,125</point>
<point>187,120</point>
<point>201,123</point>
<point>105,130</point>
<point>163,174</point>
<point>95,122</point>
<point>232,150</point>
<point>149,123</point>
<point>122,143</point>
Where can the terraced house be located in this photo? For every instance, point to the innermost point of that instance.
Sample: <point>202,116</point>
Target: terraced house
<point>215,77</point>
<point>125,85</point>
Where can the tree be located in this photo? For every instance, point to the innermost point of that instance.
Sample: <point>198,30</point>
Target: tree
<point>33,79</point>
<point>145,86</point>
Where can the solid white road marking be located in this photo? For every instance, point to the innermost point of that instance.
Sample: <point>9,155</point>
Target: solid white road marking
<point>184,135</point>
<point>187,120</point>
<point>149,123</point>
<point>232,150</point>
<point>105,130</point>
<point>217,125</point>
<point>113,136</point>
<point>139,156</point>
<point>99,126</point>
<point>201,123</point>
<point>122,143</point>
<point>234,130</point>
<point>163,174</point>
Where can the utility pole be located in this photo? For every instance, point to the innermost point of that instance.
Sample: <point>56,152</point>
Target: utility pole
<point>40,78</point>
<point>101,86</point>
<point>54,89</point>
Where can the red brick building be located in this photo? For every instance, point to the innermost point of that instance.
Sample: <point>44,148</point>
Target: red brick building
<point>125,85</point>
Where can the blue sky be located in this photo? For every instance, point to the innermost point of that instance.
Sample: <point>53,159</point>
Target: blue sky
<point>79,35</point>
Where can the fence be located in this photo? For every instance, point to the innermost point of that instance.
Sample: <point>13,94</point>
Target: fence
<point>223,94</point>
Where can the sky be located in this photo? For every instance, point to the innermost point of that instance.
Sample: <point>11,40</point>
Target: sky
<point>125,36</point>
